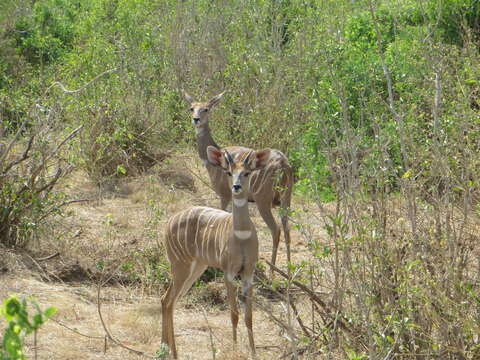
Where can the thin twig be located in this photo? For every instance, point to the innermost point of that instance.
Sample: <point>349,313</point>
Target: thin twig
<point>12,142</point>
<point>312,295</point>
<point>274,318</point>
<point>39,267</point>
<point>48,257</point>
<point>74,201</point>
<point>81,87</point>
<point>210,332</point>
<point>299,320</point>
<point>107,332</point>
<point>294,308</point>
<point>69,136</point>
<point>35,344</point>
<point>23,158</point>
<point>305,348</point>
<point>76,331</point>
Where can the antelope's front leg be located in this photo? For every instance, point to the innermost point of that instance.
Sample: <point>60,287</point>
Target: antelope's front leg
<point>232,300</point>
<point>247,292</point>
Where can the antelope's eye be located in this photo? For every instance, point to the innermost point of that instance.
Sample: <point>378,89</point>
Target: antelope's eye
<point>246,174</point>
<point>191,109</point>
<point>229,173</point>
<point>204,110</point>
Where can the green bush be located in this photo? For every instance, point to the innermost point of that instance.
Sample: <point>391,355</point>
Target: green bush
<point>49,31</point>
<point>29,172</point>
<point>20,324</point>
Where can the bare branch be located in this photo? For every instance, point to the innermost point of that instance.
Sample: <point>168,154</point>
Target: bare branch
<point>312,295</point>
<point>23,158</point>
<point>59,172</point>
<point>76,331</point>
<point>388,77</point>
<point>13,141</point>
<point>70,136</point>
<point>81,87</point>
<point>49,257</point>
<point>212,344</point>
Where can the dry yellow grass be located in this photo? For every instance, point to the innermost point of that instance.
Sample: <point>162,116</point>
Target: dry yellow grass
<point>115,223</point>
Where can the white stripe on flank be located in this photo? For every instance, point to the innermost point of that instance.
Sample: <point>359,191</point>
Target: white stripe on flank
<point>218,243</point>
<point>187,229</point>
<point>196,231</point>
<point>172,244</point>
<point>210,239</point>
<point>264,171</point>
<point>204,238</point>
<point>169,246</point>
<point>179,244</point>
<point>225,228</point>
<point>242,234</point>
<point>239,202</point>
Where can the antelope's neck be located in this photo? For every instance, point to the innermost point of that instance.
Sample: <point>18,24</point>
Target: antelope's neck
<point>242,224</point>
<point>204,140</point>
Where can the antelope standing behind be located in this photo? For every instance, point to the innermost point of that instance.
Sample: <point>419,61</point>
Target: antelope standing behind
<point>201,236</point>
<point>269,187</point>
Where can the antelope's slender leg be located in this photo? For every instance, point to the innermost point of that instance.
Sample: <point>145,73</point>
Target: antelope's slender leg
<point>286,232</point>
<point>232,300</point>
<point>196,271</point>
<point>181,283</point>
<point>248,317</point>
<point>265,211</point>
<point>168,304</point>
<point>285,207</point>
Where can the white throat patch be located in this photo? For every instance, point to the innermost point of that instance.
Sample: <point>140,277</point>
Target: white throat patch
<point>239,202</point>
<point>199,131</point>
<point>243,234</point>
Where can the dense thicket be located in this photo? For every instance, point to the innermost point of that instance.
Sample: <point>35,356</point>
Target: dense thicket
<point>375,102</point>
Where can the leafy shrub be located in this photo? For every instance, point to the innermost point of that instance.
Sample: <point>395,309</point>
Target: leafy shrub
<point>27,181</point>
<point>49,31</point>
<point>454,17</point>
<point>20,324</point>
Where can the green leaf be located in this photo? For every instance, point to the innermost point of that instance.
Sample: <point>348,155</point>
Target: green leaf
<point>50,311</point>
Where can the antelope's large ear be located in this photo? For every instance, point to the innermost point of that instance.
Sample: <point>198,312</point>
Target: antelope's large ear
<point>215,100</point>
<point>187,97</point>
<point>216,157</point>
<point>259,159</point>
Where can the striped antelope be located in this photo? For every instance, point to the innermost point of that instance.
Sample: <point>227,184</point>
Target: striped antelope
<point>269,187</point>
<point>201,236</point>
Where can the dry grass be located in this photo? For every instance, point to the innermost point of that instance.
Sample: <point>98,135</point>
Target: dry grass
<point>117,222</point>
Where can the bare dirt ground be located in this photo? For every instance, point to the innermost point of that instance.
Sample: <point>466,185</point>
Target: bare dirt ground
<point>127,218</point>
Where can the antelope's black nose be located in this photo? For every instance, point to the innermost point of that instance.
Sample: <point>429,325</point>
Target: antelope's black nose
<point>196,120</point>
<point>237,187</point>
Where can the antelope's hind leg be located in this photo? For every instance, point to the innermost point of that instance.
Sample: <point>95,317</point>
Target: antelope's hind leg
<point>265,211</point>
<point>183,276</point>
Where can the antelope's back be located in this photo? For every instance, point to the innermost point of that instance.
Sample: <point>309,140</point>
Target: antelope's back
<point>198,233</point>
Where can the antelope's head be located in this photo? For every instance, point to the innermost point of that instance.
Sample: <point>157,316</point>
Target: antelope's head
<point>200,110</point>
<point>239,166</point>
